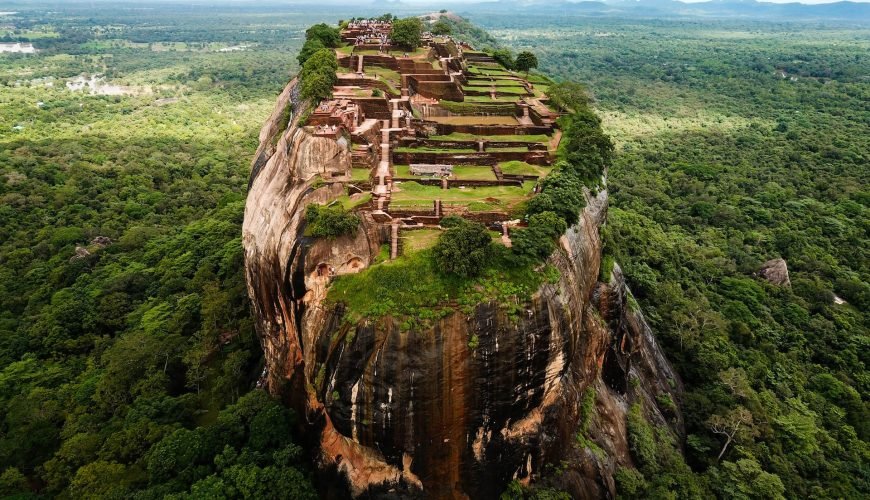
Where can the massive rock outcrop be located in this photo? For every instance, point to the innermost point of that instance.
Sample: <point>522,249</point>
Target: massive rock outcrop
<point>424,413</point>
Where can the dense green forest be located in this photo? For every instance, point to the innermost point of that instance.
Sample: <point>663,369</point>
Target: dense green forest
<point>127,354</point>
<point>738,142</point>
<point>126,345</point>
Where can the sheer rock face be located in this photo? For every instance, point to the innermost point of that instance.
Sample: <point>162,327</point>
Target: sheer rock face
<point>421,413</point>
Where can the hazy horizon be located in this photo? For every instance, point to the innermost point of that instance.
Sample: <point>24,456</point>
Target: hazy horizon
<point>445,3</point>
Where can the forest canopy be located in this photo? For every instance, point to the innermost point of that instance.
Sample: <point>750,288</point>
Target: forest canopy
<point>128,360</point>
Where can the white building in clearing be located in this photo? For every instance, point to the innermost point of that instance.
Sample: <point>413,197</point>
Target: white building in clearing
<point>18,47</point>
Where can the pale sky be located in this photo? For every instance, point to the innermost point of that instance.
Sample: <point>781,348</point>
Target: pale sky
<point>448,3</point>
<point>790,1</point>
<point>454,2</point>
<point>434,3</point>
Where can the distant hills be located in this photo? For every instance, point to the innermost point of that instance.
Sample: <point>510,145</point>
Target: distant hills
<point>750,9</point>
<point>851,12</point>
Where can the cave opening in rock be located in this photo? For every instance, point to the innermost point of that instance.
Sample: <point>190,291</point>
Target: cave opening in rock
<point>322,270</point>
<point>612,372</point>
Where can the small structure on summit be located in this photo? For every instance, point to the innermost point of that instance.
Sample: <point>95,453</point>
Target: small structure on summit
<point>433,170</point>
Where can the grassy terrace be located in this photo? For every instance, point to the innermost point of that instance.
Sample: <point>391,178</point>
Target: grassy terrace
<point>494,83</point>
<point>476,70</point>
<point>489,99</point>
<point>523,168</point>
<point>351,202</point>
<point>491,64</point>
<point>478,81</point>
<point>517,149</point>
<point>424,149</point>
<point>500,90</point>
<point>458,136</point>
<point>411,289</point>
<point>348,50</point>
<point>460,172</point>
<point>388,74</point>
<point>473,173</point>
<point>359,174</point>
<point>503,108</point>
<point>541,90</point>
<point>475,120</point>
<point>418,239</point>
<point>412,194</point>
<point>404,172</point>
<point>536,79</point>
<point>456,151</point>
<point>395,52</point>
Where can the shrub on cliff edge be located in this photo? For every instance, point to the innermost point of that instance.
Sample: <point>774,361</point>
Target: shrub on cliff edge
<point>318,75</point>
<point>329,222</point>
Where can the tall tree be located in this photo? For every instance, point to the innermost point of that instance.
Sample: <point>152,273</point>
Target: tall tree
<point>406,33</point>
<point>504,57</point>
<point>464,249</point>
<point>526,61</point>
<point>736,422</point>
<point>441,28</point>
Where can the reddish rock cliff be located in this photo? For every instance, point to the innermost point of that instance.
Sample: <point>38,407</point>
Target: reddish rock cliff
<point>419,413</point>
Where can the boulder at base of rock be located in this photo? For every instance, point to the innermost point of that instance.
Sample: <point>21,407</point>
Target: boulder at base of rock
<point>81,253</point>
<point>775,271</point>
<point>101,241</point>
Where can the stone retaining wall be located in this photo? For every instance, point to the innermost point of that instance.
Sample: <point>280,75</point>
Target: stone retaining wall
<point>435,89</point>
<point>473,144</point>
<point>366,83</point>
<point>447,129</point>
<point>374,107</point>
<point>428,181</point>
<point>487,158</point>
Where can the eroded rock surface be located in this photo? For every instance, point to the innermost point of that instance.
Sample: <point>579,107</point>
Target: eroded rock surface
<point>776,272</point>
<point>420,413</point>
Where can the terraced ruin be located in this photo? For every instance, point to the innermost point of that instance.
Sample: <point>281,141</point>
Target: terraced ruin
<point>422,252</point>
<point>443,130</point>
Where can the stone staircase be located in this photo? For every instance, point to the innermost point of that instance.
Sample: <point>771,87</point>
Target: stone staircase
<point>360,156</point>
<point>499,175</point>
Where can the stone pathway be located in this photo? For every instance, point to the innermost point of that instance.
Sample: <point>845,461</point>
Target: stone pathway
<point>382,189</point>
<point>394,241</point>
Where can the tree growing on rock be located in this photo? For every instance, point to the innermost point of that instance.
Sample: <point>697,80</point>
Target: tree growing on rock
<point>318,75</point>
<point>569,96</point>
<point>329,222</point>
<point>317,87</point>
<point>406,33</point>
<point>525,61</point>
<point>538,240</point>
<point>325,34</point>
<point>464,250</point>
<point>310,47</point>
